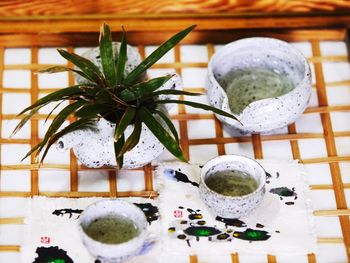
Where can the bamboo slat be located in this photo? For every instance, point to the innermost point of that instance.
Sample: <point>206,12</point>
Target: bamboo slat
<point>338,212</point>
<point>12,221</point>
<point>181,116</point>
<point>142,38</point>
<point>112,178</point>
<point>1,80</point>
<point>34,138</point>
<point>148,194</point>
<point>311,258</point>
<point>193,259</point>
<point>218,125</point>
<point>235,258</point>
<point>5,248</point>
<point>331,148</point>
<point>182,111</point>
<point>210,38</point>
<point>210,47</point>
<point>74,180</point>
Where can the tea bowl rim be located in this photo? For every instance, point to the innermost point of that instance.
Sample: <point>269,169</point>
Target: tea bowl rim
<point>304,80</point>
<point>141,237</point>
<point>223,159</point>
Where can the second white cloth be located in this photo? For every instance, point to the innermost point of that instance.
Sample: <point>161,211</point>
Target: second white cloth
<point>283,224</point>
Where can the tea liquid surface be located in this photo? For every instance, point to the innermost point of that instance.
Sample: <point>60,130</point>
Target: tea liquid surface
<point>232,183</point>
<point>112,229</point>
<point>248,85</point>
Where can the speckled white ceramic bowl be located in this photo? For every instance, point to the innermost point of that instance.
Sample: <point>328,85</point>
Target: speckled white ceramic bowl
<point>232,206</point>
<point>266,114</point>
<point>110,253</point>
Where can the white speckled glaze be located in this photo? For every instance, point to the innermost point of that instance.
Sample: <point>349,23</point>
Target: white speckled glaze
<point>110,253</point>
<point>232,206</point>
<point>94,148</point>
<point>266,114</point>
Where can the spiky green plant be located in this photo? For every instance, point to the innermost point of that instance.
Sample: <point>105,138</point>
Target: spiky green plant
<point>109,94</point>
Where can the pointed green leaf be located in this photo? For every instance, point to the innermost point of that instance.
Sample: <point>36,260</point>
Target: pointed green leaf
<point>79,124</point>
<point>121,59</point>
<point>57,69</point>
<point>25,119</point>
<point>108,97</point>
<point>55,96</point>
<point>50,113</point>
<point>169,123</point>
<point>133,139</point>
<point>118,145</point>
<point>143,88</point>
<point>200,106</point>
<point>86,66</point>
<point>104,96</point>
<point>156,55</point>
<point>106,54</point>
<point>124,122</point>
<point>36,147</point>
<point>59,119</point>
<point>91,110</point>
<point>169,92</point>
<point>117,99</point>
<point>161,134</point>
<point>62,116</point>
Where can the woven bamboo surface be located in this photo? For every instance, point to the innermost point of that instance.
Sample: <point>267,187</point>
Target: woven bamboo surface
<point>186,119</point>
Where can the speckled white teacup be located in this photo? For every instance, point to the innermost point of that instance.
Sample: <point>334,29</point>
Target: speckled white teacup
<point>232,206</point>
<point>113,253</point>
<point>260,115</point>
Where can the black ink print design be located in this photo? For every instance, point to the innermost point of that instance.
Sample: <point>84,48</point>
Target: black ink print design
<point>285,192</point>
<point>67,211</point>
<point>52,255</point>
<point>178,176</point>
<point>151,212</point>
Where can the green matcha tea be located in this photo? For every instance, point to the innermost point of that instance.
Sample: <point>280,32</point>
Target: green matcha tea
<point>112,229</point>
<point>231,183</point>
<point>248,85</point>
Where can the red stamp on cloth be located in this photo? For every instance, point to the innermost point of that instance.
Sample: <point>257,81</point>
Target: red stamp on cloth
<point>178,213</point>
<point>45,240</point>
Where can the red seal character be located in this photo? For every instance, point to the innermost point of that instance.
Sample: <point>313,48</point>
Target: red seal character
<point>45,240</point>
<point>177,213</point>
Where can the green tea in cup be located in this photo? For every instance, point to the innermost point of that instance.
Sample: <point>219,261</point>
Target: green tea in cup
<point>231,182</point>
<point>232,186</point>
<point>114,229</point>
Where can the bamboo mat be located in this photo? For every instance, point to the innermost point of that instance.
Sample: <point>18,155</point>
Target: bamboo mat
<point>331,189</point>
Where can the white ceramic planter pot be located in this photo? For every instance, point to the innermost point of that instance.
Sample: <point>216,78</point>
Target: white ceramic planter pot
<point>267,114</point>
<point>95,148</point>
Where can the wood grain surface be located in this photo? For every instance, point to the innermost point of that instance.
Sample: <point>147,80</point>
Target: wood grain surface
<point>52,16</point>
<point>134,7</point>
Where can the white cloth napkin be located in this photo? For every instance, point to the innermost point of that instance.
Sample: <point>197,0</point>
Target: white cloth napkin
<point>51,231</point>
<point>283,224</point>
